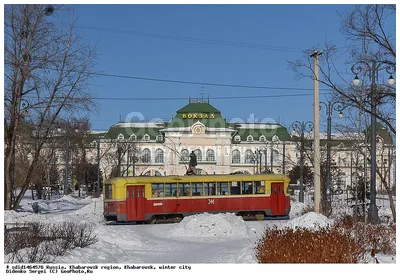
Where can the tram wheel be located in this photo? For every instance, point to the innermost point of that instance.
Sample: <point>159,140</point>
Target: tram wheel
<point>153,220</point>
<point>177,219</point>
<point>259,216</point>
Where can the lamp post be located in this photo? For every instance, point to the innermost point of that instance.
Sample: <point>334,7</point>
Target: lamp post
<point>330,106</point>
<point>98,165</point>
<point>67,136</point>
<point>300,128</point>
<point>372,68</point>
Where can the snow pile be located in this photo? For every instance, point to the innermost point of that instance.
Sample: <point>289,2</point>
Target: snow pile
<point>296,208</point>
<point>92,212</point>
<point>65,208</point>
<point>207,225</point>
<point>310,220</point>
<point>11,216</point>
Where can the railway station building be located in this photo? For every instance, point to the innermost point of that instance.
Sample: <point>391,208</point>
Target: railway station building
<point>221,147</point>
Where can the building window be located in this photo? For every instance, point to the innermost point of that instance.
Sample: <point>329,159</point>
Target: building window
<point>199,157</point>
<point>275,156</point>
<point>120,137</point>
<point>185,155</point>
<point>250,138</point>
<point>160,138</point>
<point>159,156</point>
<point>146,137</point>
<point>235,156</point>
<point>133,137</point>
<point>248,156</point>
<point>146,155</point>
<point>341,180</point>
<point>262,138</point>
<point>237,138</point>
<point>210,156</point>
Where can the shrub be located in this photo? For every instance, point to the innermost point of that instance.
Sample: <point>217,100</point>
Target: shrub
<point>41,243</point>
<point>380,238</point>
<point>302,245</point>
<point>344,242</point>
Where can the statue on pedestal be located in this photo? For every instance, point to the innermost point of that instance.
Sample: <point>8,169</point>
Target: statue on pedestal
<point>192,163</point>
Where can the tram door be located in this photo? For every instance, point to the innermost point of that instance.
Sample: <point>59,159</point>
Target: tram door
<point>135,203</point>
<point>277,199</point>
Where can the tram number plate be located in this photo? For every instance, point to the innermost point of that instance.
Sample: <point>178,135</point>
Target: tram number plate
<point>211,201</point>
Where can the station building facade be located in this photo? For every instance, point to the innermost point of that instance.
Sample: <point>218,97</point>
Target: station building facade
<point>163,148</point>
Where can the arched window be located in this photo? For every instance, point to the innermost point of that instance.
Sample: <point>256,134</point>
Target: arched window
<point>210,156</point>
<point>146,155</point>
<point>199,157</point>
<point>185,155</point>
<point>341,180</point>
<point>146,137</point>
<point>250,138</point>
<point>157,173</point>
<point>120,136</point>
<point>133,137</point>
<point>262,138</point>
<point>148,173</point>
<point>159,156</point>
<point>275,156</point>
<point>237,138</point>
<point>248,156</point>
<point>235,156</point>
<point>354,178</point>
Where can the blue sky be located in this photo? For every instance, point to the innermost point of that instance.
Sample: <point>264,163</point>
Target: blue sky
<point>214,44</point>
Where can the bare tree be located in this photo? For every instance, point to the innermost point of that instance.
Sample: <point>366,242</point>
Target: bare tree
<point>47,70</point>
<point>370,34</point>
<point>359,137</point>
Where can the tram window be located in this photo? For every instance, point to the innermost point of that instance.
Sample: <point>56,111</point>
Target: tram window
<point>108,191</point>
<point>184,189</point>
<point>157,190</point>
<point>209,188</point>
<point>222,188</point>
<point>247,188</point>
<point>235,188</point>
<point>170,189</point>
<point>259,187</point>
<point>197,189</point>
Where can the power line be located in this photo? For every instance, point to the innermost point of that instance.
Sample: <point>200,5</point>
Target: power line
<point>215,98</point>
<point>188,82</point>
<point>192,39</point>
<point>199,83</point>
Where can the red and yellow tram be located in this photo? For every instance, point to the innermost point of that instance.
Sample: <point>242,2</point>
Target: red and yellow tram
<point>170,198</point>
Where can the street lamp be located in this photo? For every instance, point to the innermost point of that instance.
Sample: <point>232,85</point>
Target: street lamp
<point>330,106</point>
<point>300,128</point>
<point>372,69</point>
<point>67,136</point>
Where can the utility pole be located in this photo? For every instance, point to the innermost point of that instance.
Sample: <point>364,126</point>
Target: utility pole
<point>98,165</point>
<point>317,156</point>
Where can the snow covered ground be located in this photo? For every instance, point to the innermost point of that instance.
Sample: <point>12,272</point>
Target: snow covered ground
<point>197,242</point>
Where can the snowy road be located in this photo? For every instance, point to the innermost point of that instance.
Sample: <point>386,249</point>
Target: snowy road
<point>197,241</point>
